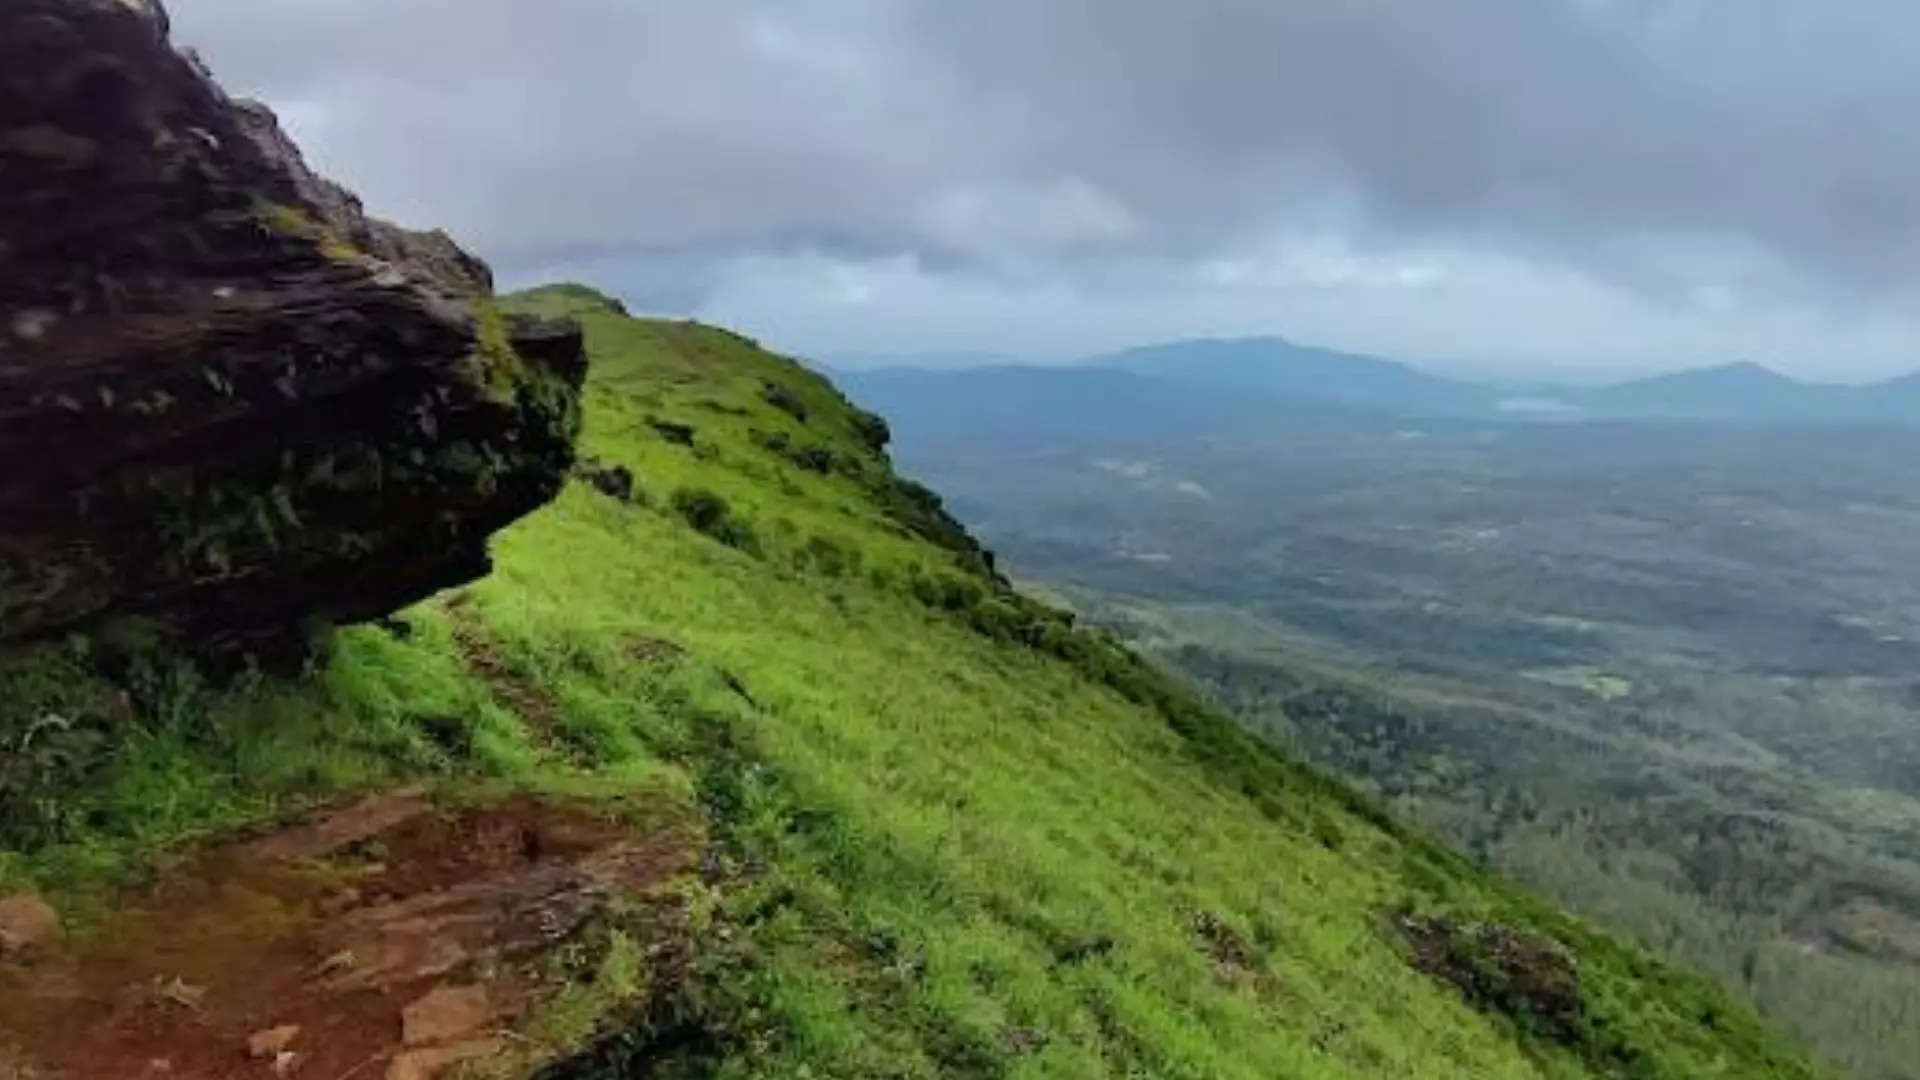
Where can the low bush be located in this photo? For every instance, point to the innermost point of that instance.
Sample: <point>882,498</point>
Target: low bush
<point>946,592</point>
<point>830,557</point>
<point>786,401</point>
<point>54,737</point>
<point>920,510</point>
<point>814,459</point>
<point>614,481</point>
<point>708,513</point>
<point>872,430</point>
<point>679,434</point>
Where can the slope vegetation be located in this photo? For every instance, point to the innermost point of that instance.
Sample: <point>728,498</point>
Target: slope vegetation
<point>942,831</point>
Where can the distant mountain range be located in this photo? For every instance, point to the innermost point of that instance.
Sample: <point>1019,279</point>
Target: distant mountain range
<point>1275,367</point>
<point>1222,384</point>
<point>1015,406</point>
<point>1754,393</point>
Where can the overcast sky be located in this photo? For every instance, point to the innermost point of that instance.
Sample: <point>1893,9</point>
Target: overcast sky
<point>1526,186</point>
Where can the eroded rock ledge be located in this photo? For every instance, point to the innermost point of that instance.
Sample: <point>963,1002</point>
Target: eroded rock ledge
<point>231,404</point>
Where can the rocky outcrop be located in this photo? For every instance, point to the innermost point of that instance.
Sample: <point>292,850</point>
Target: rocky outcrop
<point>1534,980</point>
<point>231,404</point>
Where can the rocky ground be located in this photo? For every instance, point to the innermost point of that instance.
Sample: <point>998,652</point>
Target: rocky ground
<point>389,937</point>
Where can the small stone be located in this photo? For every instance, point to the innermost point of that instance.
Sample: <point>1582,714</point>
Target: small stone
<point>178,991</point>
<point>446,1013</point>
<point>33,323</point>
<point>272,1042</point>
<point>27,924</point>
<point>285,1062</point>
<point>344,960</point>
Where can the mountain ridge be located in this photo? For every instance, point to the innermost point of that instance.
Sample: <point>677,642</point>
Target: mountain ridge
<point>1276,370</point>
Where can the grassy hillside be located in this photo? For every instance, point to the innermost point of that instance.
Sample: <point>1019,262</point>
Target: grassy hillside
<point>947,832</point>
<point>1662,672</point>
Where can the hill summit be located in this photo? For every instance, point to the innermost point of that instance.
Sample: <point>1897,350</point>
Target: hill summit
<point>1282,369</point>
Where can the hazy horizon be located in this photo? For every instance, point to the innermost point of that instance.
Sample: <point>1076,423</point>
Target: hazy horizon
<point>1539,376</point>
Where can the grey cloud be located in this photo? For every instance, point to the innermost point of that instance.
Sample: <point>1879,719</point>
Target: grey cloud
<point>1522,119</point>
<point>601,124</point>
<point>1764,145</point>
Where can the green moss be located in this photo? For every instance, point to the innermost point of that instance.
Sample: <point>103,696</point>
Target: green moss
<point>284,220</point>
<point>501,370</point>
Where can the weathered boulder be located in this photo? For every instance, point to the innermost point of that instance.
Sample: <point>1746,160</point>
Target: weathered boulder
<point>231,404</point>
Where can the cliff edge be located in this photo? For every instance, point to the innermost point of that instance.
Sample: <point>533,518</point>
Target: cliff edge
<point>231,404</point>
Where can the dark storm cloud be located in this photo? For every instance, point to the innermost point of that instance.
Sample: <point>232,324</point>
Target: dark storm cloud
<point>1675,142</point>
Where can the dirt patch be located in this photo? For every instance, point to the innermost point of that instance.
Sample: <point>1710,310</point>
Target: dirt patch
<point>430,1062</point>
<point>656,652</point>
<point>527,699</point>
<point>447,1014</point>
<point>1236,961</point>
<point>1224,944</point>
<point>331,832</point>
<point>1500,968</point>
<point>394,937</point>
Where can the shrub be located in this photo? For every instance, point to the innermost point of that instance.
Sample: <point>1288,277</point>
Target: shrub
<point>814,459</point>
<point>872,429</point>
<point>919,509</point>
<point>786,401</point>
<point>614,481</point>
<point>701,508</point>
<point>831,558</point>
<point>57,730</point>
<point>709,513</point>
<point>736,533</point>
<point>996,619</point>
<point>946,592</point>
<point>682,434</point>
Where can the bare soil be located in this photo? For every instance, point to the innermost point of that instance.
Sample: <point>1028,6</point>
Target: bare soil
<point>338,926</point>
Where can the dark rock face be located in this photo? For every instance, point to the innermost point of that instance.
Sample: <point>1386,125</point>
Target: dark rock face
<point>231,403</point>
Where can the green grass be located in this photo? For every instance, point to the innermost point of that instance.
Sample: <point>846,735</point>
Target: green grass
<point>952,835</point>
